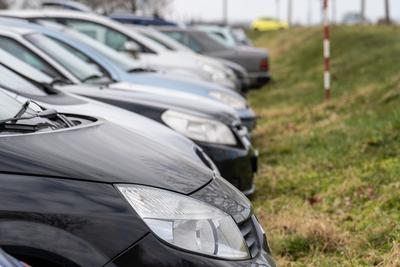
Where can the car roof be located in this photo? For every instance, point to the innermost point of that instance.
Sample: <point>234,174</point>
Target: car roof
<point>14,30</point>
<point>84,16</point>
<point>147,20</point>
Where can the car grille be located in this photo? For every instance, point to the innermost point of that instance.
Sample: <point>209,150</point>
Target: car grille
<point>250,236</point>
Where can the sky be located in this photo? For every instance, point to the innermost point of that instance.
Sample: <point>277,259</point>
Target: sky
<point>247,10</point>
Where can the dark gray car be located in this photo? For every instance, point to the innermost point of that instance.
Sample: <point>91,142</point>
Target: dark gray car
<point>254,60</point>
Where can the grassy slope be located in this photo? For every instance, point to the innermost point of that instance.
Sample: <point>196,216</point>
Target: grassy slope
<point>329,181</point>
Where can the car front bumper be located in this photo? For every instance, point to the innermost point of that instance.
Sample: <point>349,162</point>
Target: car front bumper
<point>150,251</point>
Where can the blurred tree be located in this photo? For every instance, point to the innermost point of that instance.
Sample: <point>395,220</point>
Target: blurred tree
<point>3,4</point>
<point>147,7</point>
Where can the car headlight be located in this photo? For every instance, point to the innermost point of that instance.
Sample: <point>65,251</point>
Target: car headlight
<point>229,100</point>
<point>187,223</point>
<point>214,73</point>
<point>199,128</point>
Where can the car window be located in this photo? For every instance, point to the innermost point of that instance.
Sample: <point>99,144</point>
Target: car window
<point>178,36</point>
<point>14,82</point>
<point>219,35</point>
<point>206,42</point>
<point>185,40</point>
<point>81,55</point>
<point>21,52</point>
<point>193,44</point>
<point>125,63</point>
<point>103,34</point>
<point>158,41</point>
<point>79,68</point>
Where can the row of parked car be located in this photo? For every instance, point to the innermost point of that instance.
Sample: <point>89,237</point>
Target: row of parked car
<point>126,145</point>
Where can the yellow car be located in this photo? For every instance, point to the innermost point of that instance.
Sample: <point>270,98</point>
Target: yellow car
<point>268,24</point>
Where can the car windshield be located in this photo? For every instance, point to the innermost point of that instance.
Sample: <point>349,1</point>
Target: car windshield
<point>14,82</point>
<point>206,42</point>
<point>79,68</point>
<point>125,63</point>
<point>8,106</point>
<point>24,54</point>
<point>158,41</point>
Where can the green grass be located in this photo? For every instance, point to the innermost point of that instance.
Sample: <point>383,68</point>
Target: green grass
<point>328,189</point>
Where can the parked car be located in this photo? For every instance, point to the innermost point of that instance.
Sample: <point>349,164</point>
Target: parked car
<point>353,18</point>
<point>140,20</point>
<point>120,38</point>
<point>117,67</point>
<point>211,125</point>
<point>173,45</point>
<point>254,60</point>
<point>268,24</point>
<point>81,191</point>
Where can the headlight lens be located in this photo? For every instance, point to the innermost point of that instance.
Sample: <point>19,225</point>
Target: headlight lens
<point>198,128</point>
<point>215,74</point>
<point>229,100</point>
<point>186,222</point>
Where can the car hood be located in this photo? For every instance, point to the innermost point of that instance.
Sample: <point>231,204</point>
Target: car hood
<point>176,82</point>
<point>66,103</point>
<point>172,58</point>
<point>161,99</point>
<point>101,152</point>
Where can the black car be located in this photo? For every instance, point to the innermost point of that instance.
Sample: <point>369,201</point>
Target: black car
<point>211,125</point>
<point>80,191</point>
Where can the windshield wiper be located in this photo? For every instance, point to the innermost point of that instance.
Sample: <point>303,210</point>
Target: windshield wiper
<point>91,77</point>
<point>140,69</point>
<point>61,81</point>
<point>22,110</point>
<point>45,113</point>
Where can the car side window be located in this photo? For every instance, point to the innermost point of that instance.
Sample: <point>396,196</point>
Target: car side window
<point>219,35</point>
<point>193,44</point>
<point>177,36</point>
<point>21,52</point>
<point>103,34</point>
<point>185,40</point>
<point>81,55</point>
<point>13,82</point>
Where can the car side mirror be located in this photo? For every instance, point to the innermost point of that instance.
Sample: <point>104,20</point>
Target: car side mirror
<point>132,48</point>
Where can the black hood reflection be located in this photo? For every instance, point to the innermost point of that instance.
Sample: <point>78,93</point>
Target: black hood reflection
<point>101,152</point>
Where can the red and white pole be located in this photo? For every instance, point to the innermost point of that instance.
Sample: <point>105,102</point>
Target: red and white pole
<point>327,53</point>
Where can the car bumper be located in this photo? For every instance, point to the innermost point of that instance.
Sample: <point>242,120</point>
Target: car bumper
<point>150,251</point>
<point>237,165</point>
<point>259,79</point>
